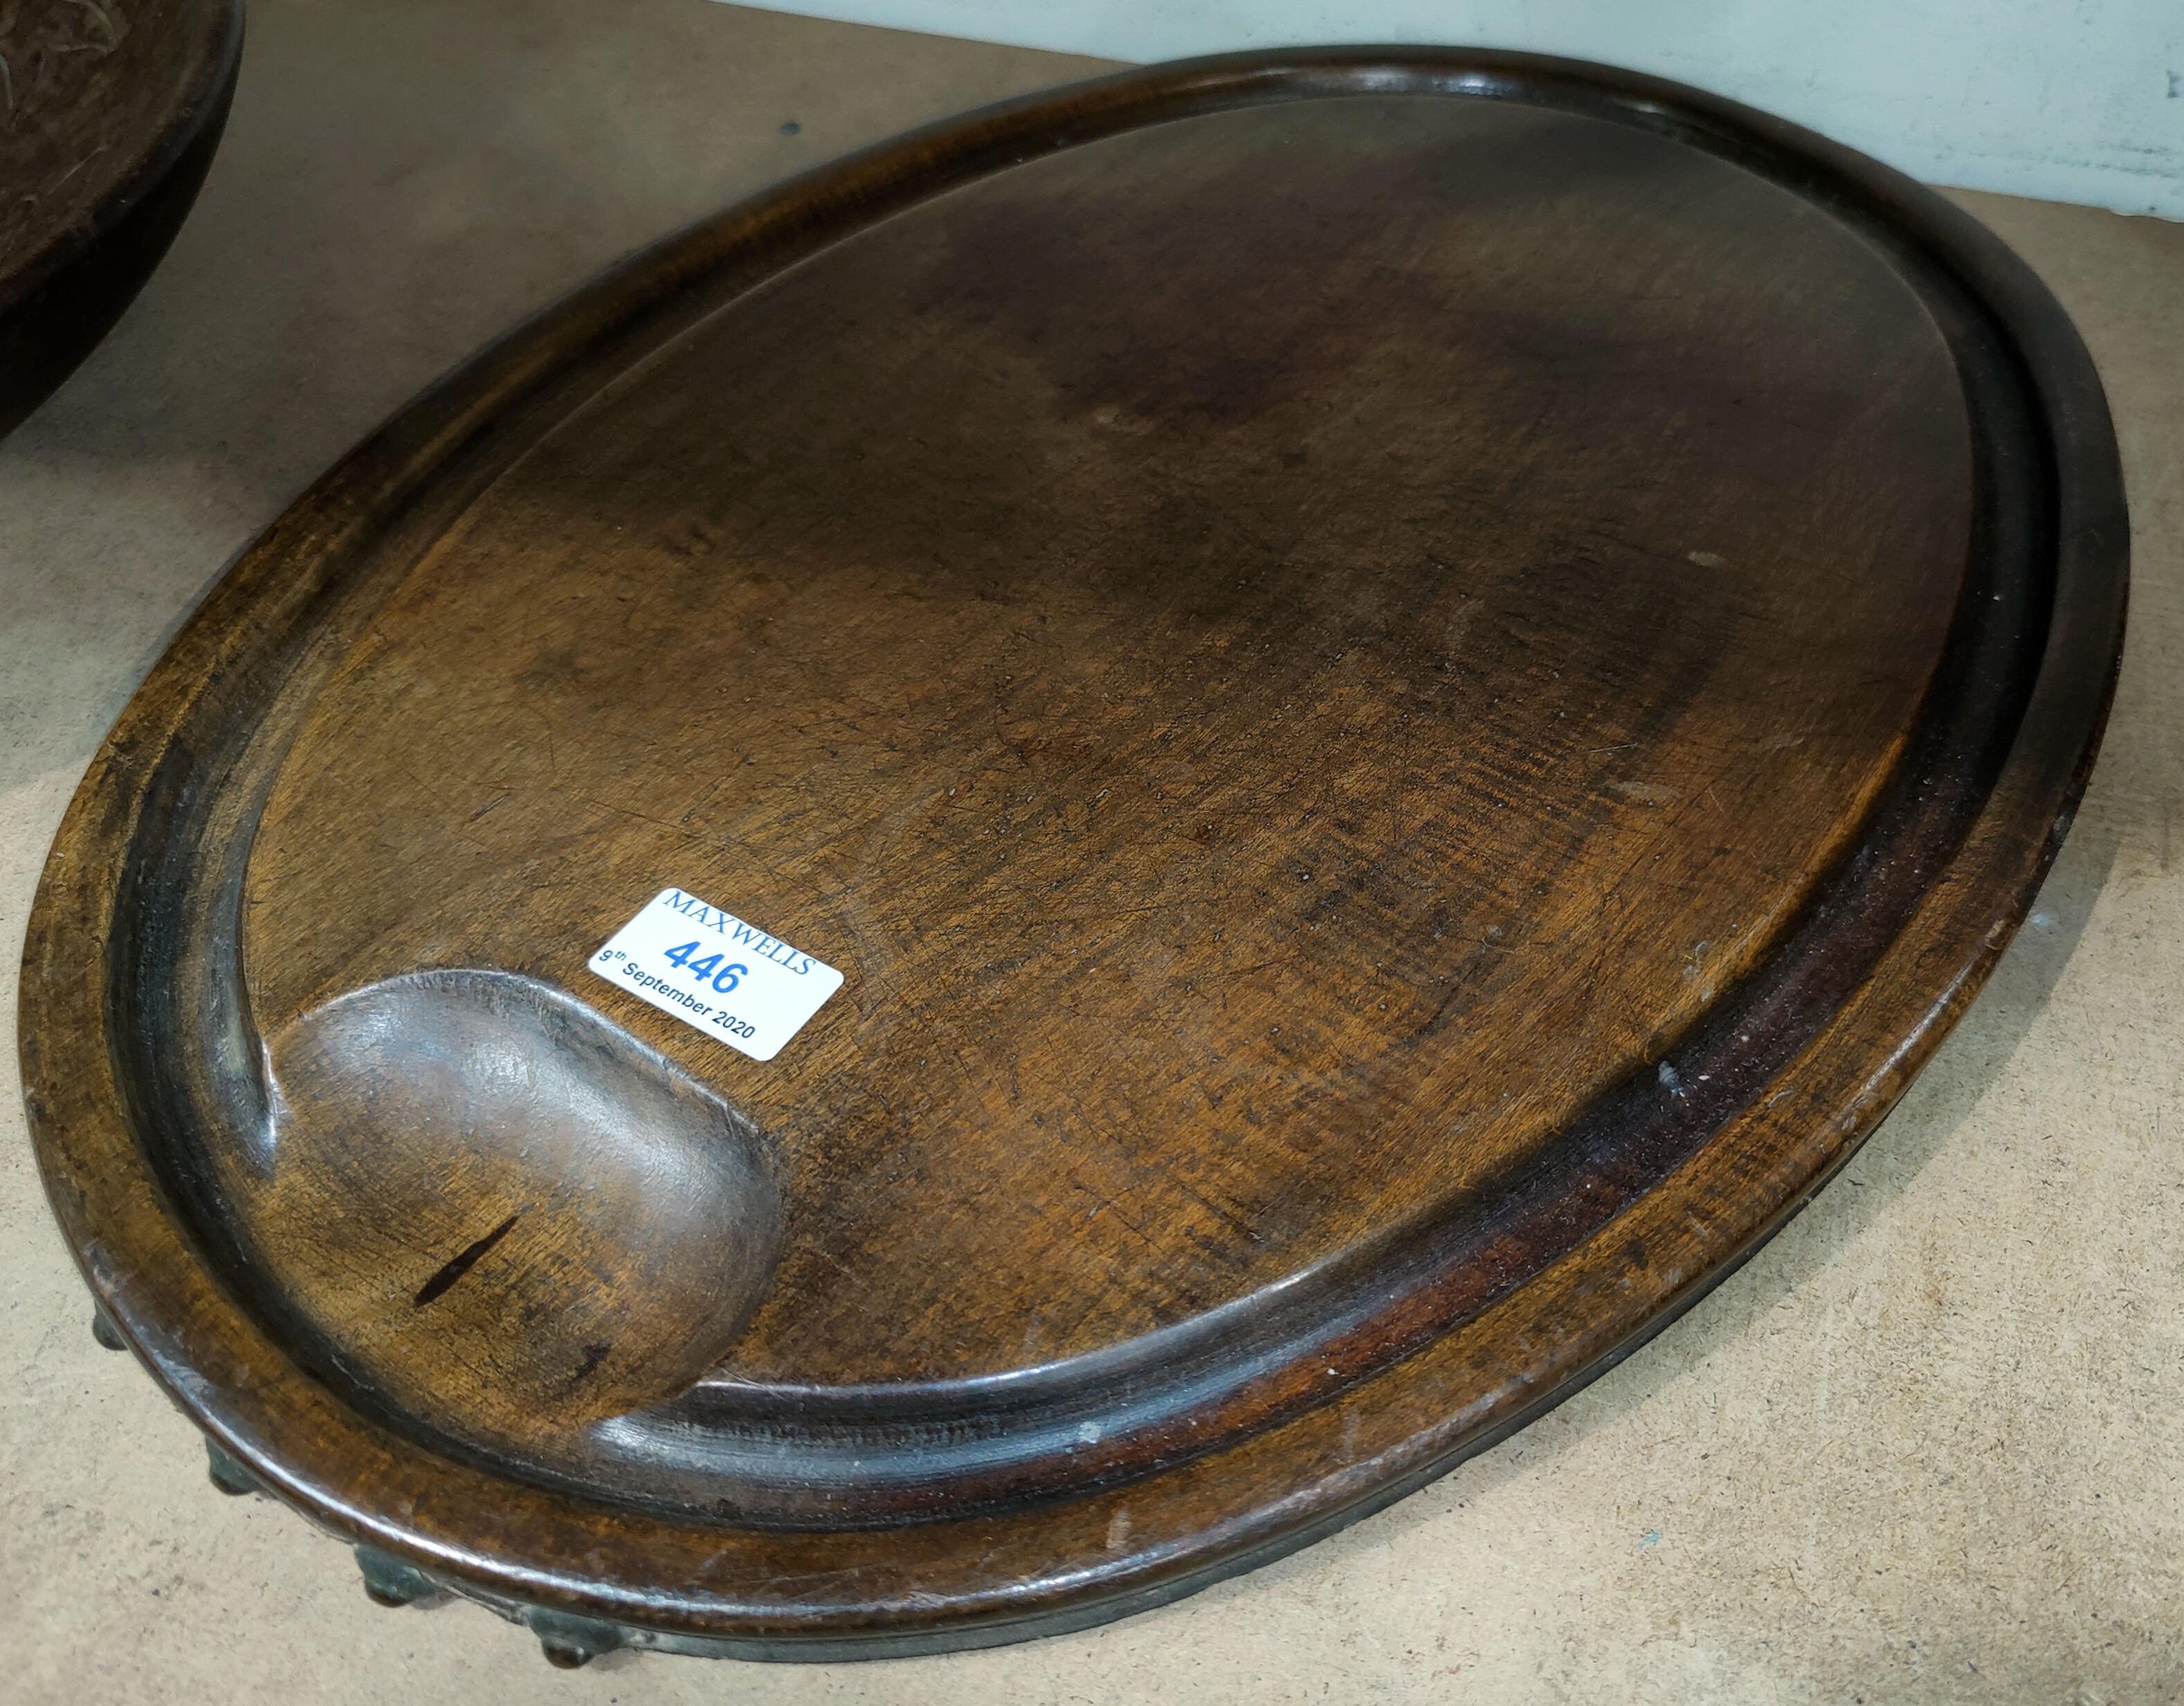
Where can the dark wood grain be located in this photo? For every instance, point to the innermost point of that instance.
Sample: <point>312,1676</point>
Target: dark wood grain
<point>109,114</point>
<point>1409,687</point>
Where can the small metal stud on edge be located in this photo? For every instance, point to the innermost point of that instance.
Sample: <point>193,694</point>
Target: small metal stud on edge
<point>389,1581</point>
<point>226,1474</point>
<point>570,1642</point>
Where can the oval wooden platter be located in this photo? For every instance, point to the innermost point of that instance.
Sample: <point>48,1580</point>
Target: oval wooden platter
<point>109,119</point>
<point>1406,687</point>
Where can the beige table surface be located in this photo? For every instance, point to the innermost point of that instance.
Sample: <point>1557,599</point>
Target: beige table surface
<point>1926,1447</point>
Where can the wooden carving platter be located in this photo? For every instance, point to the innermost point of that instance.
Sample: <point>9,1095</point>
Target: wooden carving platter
<point>1408,687</point>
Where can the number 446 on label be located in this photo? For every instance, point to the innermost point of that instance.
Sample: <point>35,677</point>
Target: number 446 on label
<point>717,973</point>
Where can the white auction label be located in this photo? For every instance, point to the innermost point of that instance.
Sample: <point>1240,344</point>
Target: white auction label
<point>713,970</point>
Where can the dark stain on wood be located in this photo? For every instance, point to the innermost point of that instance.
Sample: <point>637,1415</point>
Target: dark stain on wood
<point>467,1258</point>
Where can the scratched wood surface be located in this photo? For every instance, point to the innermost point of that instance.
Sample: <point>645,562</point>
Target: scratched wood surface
<point>1407,691</point>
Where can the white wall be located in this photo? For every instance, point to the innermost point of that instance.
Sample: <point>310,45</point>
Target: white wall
<point>2074,100</point>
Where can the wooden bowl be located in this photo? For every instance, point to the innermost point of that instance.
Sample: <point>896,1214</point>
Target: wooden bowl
<point>109,113</point>
<point>1406,687</point>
